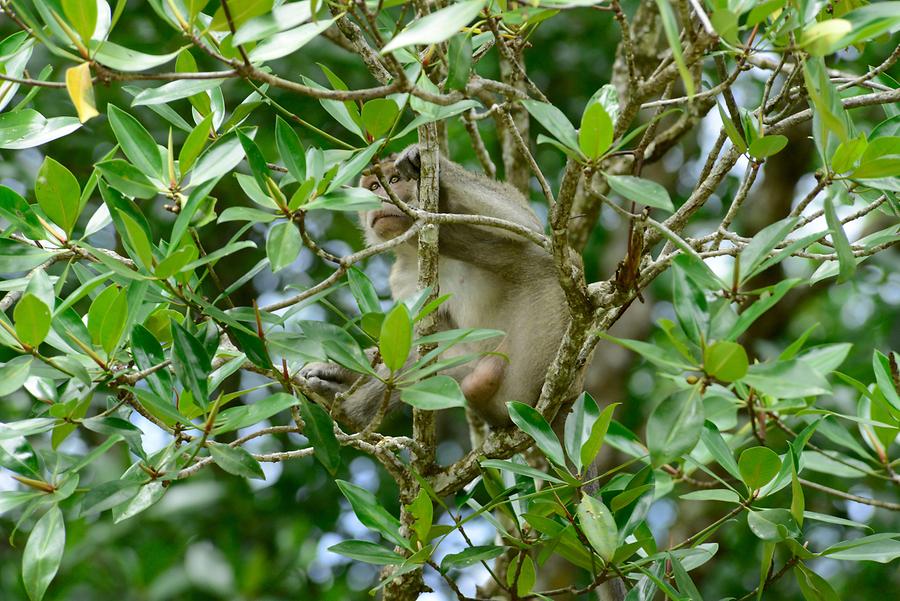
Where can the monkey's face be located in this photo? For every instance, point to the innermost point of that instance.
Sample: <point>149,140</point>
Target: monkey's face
<point>388,221</point>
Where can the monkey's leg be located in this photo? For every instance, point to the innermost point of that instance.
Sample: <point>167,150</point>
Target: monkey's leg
<point>482,383</point>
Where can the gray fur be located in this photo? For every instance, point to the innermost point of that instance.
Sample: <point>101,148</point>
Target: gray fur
<point>497,280</point>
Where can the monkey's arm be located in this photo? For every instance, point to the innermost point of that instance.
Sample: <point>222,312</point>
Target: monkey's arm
<point>467,193</point>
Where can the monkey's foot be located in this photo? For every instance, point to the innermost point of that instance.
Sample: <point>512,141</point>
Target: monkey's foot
<point>409,163</point>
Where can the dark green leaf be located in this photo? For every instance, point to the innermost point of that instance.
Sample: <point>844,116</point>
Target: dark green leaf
<point>598,526</point>
<point>58,194</point>
<point>371,514</point>
<point>758,465</point>
<point>320,432</point>
<point>283,245</point>
<point>674,426</point>
<point>32,319</point>
<point>596,133</point>
<point>368,552</point>
<point>136,142</point>
<point>726,361</point>
<point>470,556</point>
<point>533,423</point>
<point>395,340</point>
<point>236,460</point>
<point>436,392</point>
<point>191,363</point>
<point>43,553</point>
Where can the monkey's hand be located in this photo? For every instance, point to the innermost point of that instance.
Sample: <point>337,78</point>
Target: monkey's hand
<point>328,379</point>
<point>409,163</point>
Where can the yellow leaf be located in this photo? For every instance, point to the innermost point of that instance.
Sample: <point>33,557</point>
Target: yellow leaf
<point>81,91</point>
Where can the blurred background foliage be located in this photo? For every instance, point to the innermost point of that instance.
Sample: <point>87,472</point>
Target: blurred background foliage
<point>222,537</point>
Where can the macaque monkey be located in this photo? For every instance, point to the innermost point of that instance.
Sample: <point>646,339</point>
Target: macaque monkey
<point>496,279</point>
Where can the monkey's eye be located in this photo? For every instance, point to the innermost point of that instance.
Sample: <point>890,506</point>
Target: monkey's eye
<point>374,186</point>
<point>394,179</point>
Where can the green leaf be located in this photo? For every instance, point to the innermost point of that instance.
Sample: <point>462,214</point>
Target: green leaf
<point>773,524</point>
<point>673,428</point>
<point>32,319</point>
<point>367,552</point>
<point>812,586</point>
<point>283,245</point>
<point>870,21</point>
<point>235,418</point>
<point>734,134</point>
<point>108,495</point>
<point>43,553</point>
<point>848,153</point>
<point>194,144</point>
<point>598,526</point>
<point>594,442</point>
<point>363,291</point>
<point>125,59</point>
<point>766,146</point>
<point>290,149</point>
<point>82,15</point>
<point>138,241</point>
<point>470,556</point>
<point>288,42</point>
<point>218,159</point>
<point>147,353</point>
<point>346,199</point>
<point>17,211</point>
<point>825,37</point>
<point>257,161</point>
<point>521,574</point>
<point>175,90</point>
<point>395,340</point>
<point>578,427</point>
<point>596,133</point>
<point>554,121</point>
<point>719,449</point>
<point>715,494</point>
<point>58,194</point>
<point>685,585</point>
<point>282,17</point>
<point>726,361</point>
<point>436,27</point>
<point>882,547</point>
<point>846,260</point>
<point>372,514</point>
<point>641,190</point>
<point>459,61</point>
<point>379,115</point>
<point>127,179</point>
<point>534,425</point>
<point>175,262</point>
<point>758,465</point>
<point>670,27</point>
<point>236,460</point>
<point>786,379</point>
<point>319,429</point>
<point>881,366</point>
<point>522,470</point>
<point>422,511</point>
<point>436,392</point>
<point>762,244</point>
<point>14,373</point>
<point>240,12</point>
<point>106,317</point>
<point>136,142</point>
<point>191,363</point>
